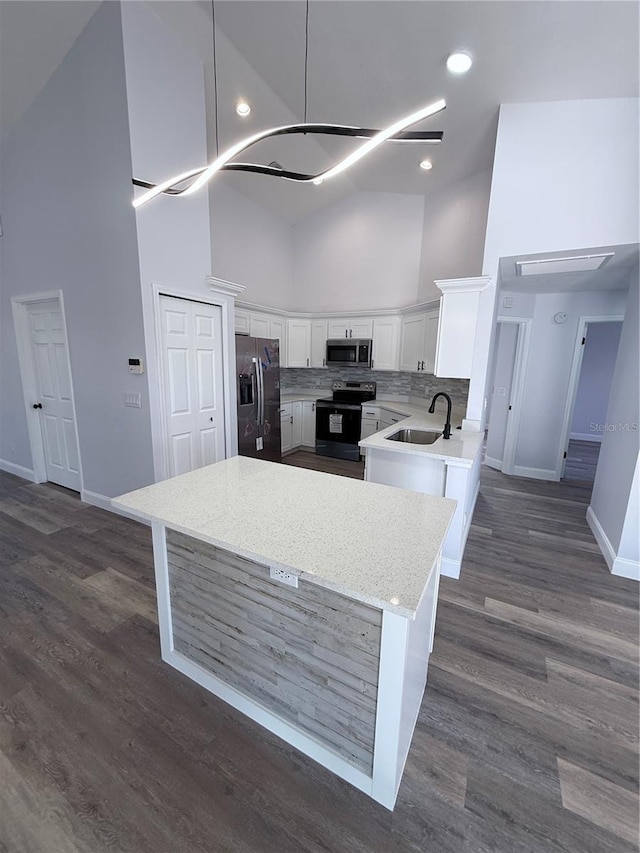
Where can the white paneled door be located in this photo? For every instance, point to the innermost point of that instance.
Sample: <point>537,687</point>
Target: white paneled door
<point>193,383</point>
<point>54,402</point>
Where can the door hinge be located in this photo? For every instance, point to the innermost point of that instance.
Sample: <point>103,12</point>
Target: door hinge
<point>583,341</point>
<point>565,455</point>
<point>509,408</point>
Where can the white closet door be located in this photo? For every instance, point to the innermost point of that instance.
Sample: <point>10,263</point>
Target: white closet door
<point>193,383</point>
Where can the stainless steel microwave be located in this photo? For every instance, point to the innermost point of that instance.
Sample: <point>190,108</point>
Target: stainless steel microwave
<point>351,352</point>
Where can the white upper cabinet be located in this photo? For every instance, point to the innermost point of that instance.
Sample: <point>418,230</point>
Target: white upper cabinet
<point>319,343</point>
<point>418,345</point>
<point>386,335</point>
<point>259,326</point>
<point>431,341</point>
<point>298,343</point>
<point>242,322</point>
<point>350,327</point>
<point>457,325</point>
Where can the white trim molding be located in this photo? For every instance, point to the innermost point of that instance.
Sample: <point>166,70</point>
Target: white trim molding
<point>535,473</point>
<point>619,566</point>
<point>18,470</point>
<point>585,436</point>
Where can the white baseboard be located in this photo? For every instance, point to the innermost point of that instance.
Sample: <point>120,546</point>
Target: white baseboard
<point>624,568</point>
<point>450,568</point>
<point>619,566</point>
<point>492,462</point>
<point>18,470</point>
<point>601,538</point>
<point>103,502</point>
<point>535,473</point>
<point>586,436</point>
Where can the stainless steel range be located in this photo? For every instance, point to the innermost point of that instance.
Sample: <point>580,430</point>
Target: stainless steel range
<point>338,419</point>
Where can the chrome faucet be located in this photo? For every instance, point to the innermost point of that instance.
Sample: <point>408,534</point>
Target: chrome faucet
<point>432,408</point>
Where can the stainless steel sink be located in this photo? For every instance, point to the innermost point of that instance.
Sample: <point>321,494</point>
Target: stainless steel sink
<point>415,436</point>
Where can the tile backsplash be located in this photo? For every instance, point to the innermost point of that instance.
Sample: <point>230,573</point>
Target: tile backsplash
<point>405,386</point>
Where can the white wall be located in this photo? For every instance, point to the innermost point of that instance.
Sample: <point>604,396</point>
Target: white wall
<point>547,376</point>
<point>565,176</point>
<point>596,375</point>
<point>252,247</point>
<point>361,252</point>
<point>167,115</point>
<point>455,221</point>
<point>69,225</point>
<point>614,498</point>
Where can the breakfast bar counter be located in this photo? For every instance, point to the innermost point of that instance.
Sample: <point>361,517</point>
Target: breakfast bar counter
<point>305,600</point>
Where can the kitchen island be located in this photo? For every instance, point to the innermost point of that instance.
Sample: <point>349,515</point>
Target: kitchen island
<point>305,600</point>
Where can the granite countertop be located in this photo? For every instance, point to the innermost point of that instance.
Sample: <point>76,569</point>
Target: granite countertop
<point>306,397</point>
<point>461,449</point>
<point>376,544</point>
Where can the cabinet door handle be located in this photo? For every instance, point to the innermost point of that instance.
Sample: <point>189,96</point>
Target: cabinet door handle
<point>313,407</point>
<point>346,333</point>
<point>291,418</point>
<point>350,333</point>
<point>324,362</point>
<point>307,362</point>
<point>418,367</point>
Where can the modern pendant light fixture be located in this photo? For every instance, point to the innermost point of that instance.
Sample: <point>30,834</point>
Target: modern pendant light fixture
<point>196,178</point>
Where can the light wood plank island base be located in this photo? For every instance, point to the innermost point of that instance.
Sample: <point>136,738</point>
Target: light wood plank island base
<point>336,664</point>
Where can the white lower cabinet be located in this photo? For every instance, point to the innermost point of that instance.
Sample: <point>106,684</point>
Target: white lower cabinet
<point>370,421</point>
<point>308,423</point>
<point>292,426</point>
<point>388,419</point>
<point>286,427</point>
<point>296,432</point>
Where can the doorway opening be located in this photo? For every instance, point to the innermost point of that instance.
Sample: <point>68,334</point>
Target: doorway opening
<point>511,357</point>
<point>594,362</point>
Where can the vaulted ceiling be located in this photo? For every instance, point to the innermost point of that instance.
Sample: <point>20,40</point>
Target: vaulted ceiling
<point>368,64</point>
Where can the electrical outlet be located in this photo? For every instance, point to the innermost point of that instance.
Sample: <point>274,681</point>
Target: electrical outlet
<point>284,577</point>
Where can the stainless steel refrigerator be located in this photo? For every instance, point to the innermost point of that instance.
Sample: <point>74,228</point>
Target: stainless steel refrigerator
<point>258,387</point>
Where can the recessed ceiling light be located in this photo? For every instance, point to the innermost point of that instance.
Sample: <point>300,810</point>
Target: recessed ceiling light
<point>426,165</point>
<point>242,108</point>
<point>459,62</point>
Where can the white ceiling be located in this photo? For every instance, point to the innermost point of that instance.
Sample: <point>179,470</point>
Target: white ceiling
<point>369,63</point>
<point>614,275</point>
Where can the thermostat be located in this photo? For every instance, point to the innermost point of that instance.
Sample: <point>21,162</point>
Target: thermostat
<point>560,317</point>
<point>136,365</point>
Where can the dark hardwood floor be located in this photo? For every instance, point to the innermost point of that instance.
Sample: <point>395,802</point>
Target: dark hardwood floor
<point>526,741</point>
<point>309,459</point>
<point>582,460</point>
